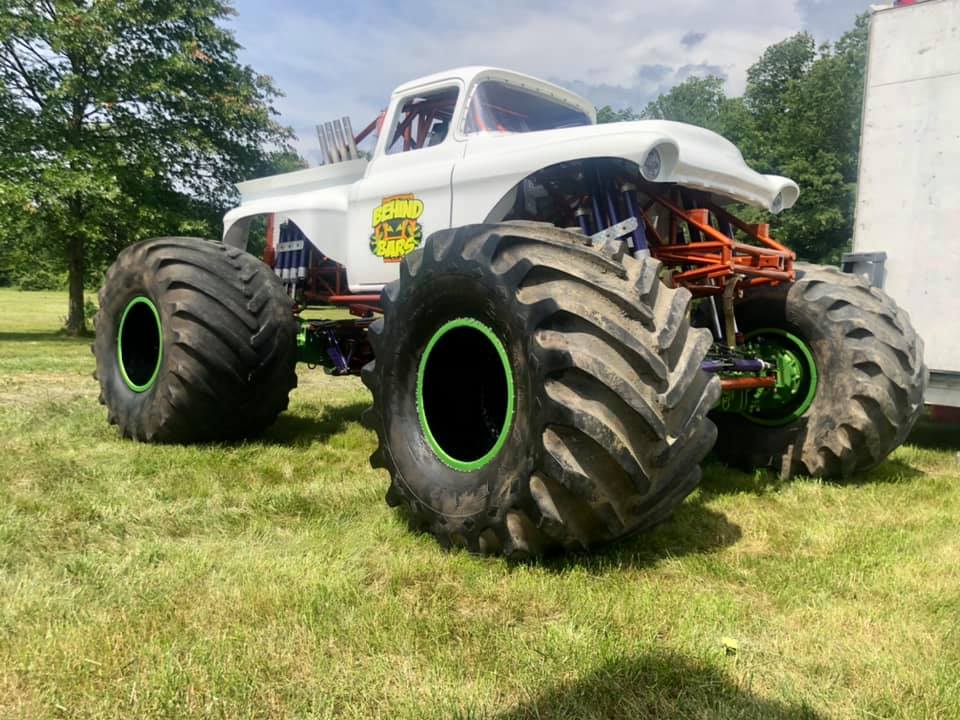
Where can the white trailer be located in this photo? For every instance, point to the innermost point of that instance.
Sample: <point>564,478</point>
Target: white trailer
<point>908,197</point>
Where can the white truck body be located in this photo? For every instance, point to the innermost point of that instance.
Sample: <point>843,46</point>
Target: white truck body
<point>468,176</point>
<point>908,197</point>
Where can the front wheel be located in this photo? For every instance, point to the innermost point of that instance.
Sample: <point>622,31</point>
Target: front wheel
<point>852,378</point>
<point>532,392</point>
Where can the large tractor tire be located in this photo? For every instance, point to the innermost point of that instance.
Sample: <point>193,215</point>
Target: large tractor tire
<point>195,341</point>
<point>862,385</point>
<point>531,392</point>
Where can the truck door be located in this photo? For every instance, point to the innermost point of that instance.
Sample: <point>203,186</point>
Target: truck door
<point>405,194</point>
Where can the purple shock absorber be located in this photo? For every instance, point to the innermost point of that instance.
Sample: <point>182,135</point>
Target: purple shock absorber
<point>748,365</point>
<point>733,365</point>
<point>334,353</point>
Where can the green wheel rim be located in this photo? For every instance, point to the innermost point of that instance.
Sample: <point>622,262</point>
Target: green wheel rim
<point>501,439</point>
<point>808,391</point>
<point>144,377</point>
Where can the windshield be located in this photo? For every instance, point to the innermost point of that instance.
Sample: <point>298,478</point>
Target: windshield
<point>498,107</point>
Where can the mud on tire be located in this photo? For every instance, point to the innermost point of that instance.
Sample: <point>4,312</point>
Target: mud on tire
<point>194,341</point>
<point>871,377</point>
<point>608,421</point>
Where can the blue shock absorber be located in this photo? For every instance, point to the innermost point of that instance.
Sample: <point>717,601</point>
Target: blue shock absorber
<point>307,257</point>
<point>597,215</point>
<point>583,217</point>
<point>591,176</point>
<point>640,234</point>
<point>611,207</point>
<point>290,273</point>
<point>302,257</point>
<point>287,260</point>
<point>278,263</point>
<point>603,191</point>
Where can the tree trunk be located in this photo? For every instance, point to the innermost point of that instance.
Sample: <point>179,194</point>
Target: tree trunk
<point>76,322</point>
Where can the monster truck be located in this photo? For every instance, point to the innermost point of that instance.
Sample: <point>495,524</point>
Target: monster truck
<point>557,320</point>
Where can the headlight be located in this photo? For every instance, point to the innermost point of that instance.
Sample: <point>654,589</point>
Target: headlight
<point>777,203</point>
<point>651,165</point>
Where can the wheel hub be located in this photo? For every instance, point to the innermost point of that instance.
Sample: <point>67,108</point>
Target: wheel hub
<point>140,344</point>
<point>465,394</point>
<point>796,385</point>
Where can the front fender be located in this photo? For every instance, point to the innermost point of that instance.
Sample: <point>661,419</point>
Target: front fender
<point>691,156</point>
<point>321,215</point>
<point>495,165</point>
<point>315,199</point>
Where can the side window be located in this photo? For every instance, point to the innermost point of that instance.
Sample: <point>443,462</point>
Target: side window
<point>423,121</point>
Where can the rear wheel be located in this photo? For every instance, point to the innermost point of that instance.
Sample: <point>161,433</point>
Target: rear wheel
<point>194,341</point>
<point>533,392</point>
<point>853,377</point>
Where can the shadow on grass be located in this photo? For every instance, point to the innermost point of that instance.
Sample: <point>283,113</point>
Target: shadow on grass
<point>654,685</point>
<point>692,529</point>
<point>889,471</point>
<point>932,435</point>
<point>304,428</point>
<point>720,479</point>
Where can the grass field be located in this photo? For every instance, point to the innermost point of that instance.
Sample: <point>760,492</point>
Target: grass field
<point>269,579</point>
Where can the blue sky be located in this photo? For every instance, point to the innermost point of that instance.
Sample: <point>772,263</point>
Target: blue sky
<point>341,58</point>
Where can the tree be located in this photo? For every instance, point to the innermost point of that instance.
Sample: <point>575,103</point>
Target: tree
<point>607,114</point>
<point>697,100</point>
<point>781,65</point>
<point>799,117</point>
<point>806,105</point>
<point>121,119</point>
<point>274,163</point>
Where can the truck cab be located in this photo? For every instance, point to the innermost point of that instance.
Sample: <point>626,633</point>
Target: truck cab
<point>407,189</point>
<point>367,214</point>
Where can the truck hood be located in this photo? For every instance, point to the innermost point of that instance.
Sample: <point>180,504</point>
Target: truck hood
<point>690,155</point>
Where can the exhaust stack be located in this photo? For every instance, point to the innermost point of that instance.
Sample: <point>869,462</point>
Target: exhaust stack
<point>337,142</point>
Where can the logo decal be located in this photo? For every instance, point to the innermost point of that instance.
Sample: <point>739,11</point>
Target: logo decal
<point>396,227</point>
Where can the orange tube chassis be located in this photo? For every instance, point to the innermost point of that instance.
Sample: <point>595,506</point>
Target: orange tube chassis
<point>706,266</point>
<point>716,262</point>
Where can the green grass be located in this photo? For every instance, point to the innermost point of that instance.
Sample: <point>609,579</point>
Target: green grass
<point>269,579</point>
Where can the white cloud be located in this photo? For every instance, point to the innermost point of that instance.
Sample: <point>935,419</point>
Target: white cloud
<point>333,60</point>
<point>829,19</point>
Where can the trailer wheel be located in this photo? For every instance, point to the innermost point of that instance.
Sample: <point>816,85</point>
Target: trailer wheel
<point>194,341</point>
<point>861,384</point>
<point>531,392</point>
